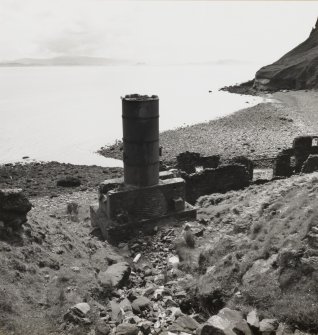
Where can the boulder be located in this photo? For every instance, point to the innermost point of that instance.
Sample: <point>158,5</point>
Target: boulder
<point>126,329</point>
<point>68,181</point>
<point>101,328</point>
<point>14,207</point>
<point>81,308</point>
<point>140,304</point>
<point>218,322</point>
<point>284,329</point>
<point>208,329</point>
<point>145,327</point>
<point>259,268</point>
<point>125,305</point>
<point>253,319</point>
<point>78,314</point>
<point>184,323</point>
<point>230,322</point>
<point>117,275</point>
<point>115,311</point>
<point>268,326</point>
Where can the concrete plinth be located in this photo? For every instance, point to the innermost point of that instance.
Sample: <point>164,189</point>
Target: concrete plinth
<point>124,210</point>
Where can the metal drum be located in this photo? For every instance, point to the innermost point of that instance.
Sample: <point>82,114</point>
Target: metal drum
<point>141,139</point>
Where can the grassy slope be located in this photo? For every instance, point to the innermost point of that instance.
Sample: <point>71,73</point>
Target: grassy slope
<point>261,249</point>
<point>38,283</point>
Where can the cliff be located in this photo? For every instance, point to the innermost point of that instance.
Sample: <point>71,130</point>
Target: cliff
<point>298,69</point>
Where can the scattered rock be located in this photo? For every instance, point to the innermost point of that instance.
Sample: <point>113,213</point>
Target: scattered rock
<point>284,329</point>
<point>126,329</point>
<point>113,258</point>
<point>82,308</point>
<point>229,321</point>
<point>184,323</point>
<point>101,328</point>
<point>208,329</point>
<point>116,275</point>
<point>173,260</point>
<point>145,327</point>
<point>77,314</point>
<point>125,305</point>
<point>115,311</point>
<point>253,319</point>
<point>268,326</point>
<point>258,269</point>
<point>140,304</point>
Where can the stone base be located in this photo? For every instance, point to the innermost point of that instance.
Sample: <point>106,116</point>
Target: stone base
<point>124,210</point>
<point>115,233</point>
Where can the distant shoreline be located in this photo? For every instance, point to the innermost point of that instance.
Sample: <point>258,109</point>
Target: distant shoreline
<point>259,132</point>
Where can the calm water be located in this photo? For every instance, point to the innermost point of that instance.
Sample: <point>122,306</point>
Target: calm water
<point>67,113</point>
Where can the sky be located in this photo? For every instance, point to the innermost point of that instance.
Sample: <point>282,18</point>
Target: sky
<point>154,31</point>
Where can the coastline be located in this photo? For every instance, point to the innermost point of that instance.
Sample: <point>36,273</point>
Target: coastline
<point>38,179</point>
<point>257,132</point>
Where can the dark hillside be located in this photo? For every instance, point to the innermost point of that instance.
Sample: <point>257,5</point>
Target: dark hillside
<point>298,69</point>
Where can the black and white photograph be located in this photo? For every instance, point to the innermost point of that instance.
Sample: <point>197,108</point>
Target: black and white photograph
<point>158,167</point>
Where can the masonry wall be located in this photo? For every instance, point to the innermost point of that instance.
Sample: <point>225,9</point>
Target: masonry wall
<point>219,180</point>
<point>188,161</point>
<point>146,202</point>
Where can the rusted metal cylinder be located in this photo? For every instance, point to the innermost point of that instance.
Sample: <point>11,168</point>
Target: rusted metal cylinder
<point>140,115</point>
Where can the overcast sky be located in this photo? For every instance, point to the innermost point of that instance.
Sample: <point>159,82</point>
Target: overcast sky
<point>153,31</point>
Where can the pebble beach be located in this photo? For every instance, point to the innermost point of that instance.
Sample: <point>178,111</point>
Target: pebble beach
<point>258,132</point>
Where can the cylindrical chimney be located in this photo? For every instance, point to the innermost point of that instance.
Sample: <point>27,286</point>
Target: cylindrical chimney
<point>140,115</point>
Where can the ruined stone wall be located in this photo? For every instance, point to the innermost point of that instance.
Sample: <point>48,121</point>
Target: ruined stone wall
<point>311,164</point>
<point>219,180</point>
<point>242,160</point>
<point>293,160</point>
<point>188,161</point>
<point>282,165</point>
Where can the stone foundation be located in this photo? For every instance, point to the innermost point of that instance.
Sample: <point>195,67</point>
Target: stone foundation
<point>124,210</point>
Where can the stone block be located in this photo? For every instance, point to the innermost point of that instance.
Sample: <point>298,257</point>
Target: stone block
<point>145,202</point>
<point>178,204</point>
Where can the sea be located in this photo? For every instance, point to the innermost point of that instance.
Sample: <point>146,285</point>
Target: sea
<point>66,113</point>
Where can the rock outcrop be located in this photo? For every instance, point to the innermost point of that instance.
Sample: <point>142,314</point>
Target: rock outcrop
<point>14,207</point>
<point>298,69</point>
